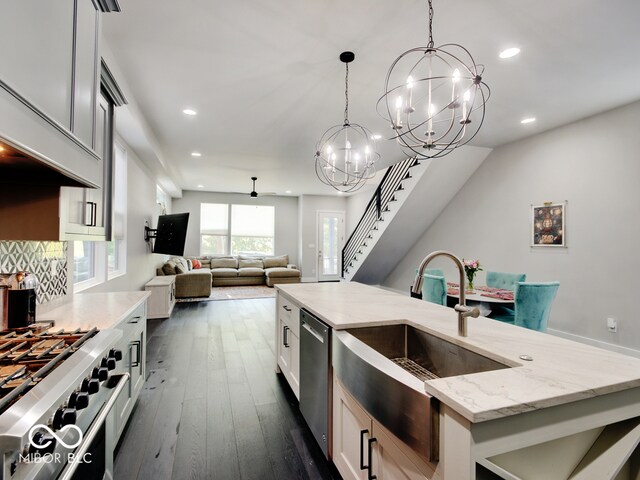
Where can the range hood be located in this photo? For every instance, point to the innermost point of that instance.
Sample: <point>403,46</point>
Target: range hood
<point>22,167</point>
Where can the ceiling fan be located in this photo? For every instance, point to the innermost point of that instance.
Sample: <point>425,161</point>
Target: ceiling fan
<point>254,194</point>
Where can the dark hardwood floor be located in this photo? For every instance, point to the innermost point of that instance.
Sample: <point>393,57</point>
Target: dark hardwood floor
<point>212,406</point>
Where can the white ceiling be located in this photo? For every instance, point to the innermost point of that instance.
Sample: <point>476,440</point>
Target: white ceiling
<point>266,81</point>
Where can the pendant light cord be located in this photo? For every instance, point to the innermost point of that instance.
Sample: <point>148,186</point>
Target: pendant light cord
<point>430,44</point>
<point>346,95</point>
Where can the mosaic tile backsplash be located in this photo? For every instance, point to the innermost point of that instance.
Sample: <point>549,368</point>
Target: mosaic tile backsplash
<point>42,259</point>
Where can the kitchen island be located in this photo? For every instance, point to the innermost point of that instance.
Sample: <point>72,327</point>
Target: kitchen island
<point>571,412</point>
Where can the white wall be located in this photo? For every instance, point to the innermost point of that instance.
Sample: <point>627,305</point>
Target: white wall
<point>286,213</point>
<point>593,164</point>
<point>141,207</point>
<point>308,207</point>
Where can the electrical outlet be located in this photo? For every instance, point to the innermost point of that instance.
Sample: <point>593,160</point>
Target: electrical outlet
<point>612,324</point>
<point>54,268</point>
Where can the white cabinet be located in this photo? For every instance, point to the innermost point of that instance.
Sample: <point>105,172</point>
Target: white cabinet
<point>288,341</point>
<point>85,213</point>
<point>163,296</point>
<point>351,432</point>
<point>86,73</point>
<point>37,54</point>
<point>49,83</point>
<point>363,449</point>
<point>133,347</point>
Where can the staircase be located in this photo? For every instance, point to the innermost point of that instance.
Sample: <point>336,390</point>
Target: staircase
<point>409,198</point>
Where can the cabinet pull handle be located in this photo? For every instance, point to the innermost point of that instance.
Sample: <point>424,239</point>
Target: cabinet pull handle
<point>135,319</point>
<point>370,466</point>
<point>137,345</point>
<point>88,214</point>
<point>362,465</point>
<point>285,336</point>
<point>95,214</point>
<point>286,308</point>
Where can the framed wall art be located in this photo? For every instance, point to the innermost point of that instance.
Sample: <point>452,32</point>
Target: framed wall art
<point>548,225</point>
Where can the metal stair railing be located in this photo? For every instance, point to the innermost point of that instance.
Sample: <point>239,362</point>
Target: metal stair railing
<point>379,203</point>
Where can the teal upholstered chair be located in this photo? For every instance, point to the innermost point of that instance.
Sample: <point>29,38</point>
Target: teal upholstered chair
<point>532,305</point>
<point>433,271</point>
<point>506,281</point>
<point>434,289</point>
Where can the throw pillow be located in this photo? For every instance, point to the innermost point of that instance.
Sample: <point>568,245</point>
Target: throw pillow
<point>196,264</point>
<point>228,262</point>
<point>180,269</point>
<point>271,262</point>
<point>169,268</point>
<point>253,262</point>
<point>189,264</point>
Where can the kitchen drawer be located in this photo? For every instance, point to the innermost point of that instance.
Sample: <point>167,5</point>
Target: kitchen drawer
<point>289,313</point>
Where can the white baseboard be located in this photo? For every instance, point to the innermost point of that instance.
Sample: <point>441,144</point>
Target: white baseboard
<point>308,279</point>
<point>596,343</point>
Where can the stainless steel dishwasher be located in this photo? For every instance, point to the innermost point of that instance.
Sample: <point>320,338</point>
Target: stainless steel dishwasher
<point>315,385</point>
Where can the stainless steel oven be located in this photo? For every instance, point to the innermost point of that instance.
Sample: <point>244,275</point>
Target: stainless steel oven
<point>57,419</point>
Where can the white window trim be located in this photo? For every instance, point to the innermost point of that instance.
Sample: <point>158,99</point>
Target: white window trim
<point>100,265</point>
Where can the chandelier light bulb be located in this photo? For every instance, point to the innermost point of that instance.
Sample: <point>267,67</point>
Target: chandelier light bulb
<point>409,81</point>
<point>456,76</point>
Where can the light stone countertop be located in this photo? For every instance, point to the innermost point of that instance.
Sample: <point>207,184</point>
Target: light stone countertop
<point>88,310</point>
<point>562,371</point>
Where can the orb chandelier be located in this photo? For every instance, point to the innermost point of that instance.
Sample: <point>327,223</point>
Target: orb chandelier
<point>434,98</point>
<point>346,154</point>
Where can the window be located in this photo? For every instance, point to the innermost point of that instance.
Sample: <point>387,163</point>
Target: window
<point>117,249</point>
<point>236,229</point>
<point>84,262</point>
<point>252,229</point>
<point>214,228</point>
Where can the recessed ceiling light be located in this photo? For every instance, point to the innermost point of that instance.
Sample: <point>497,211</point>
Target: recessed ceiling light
<point>287,191</point>
<point>509,52</point>
<point>528,120</point>
<point>376,136</point>
<point>200,186</point>
<point>189,111</point>
<point>196,154</point>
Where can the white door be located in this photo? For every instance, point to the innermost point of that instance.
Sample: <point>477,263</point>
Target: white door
<point>330,242</point>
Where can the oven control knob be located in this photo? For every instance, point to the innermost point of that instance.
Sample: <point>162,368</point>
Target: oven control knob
<point>109,363</point>
<point>42,443</point>
<point>64,416</point>
<point>79,400</point>
<point>115,353</point>
<point>100,373</point>
<point>90,386</point>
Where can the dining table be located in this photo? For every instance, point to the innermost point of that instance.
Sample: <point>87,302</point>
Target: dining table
<point>484,297</point>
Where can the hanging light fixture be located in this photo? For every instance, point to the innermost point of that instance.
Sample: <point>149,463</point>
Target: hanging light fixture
<point>434,98</point>
<point>346,153</point>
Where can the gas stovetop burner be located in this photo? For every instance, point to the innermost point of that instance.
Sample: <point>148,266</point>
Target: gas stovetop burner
<point>28,354</point>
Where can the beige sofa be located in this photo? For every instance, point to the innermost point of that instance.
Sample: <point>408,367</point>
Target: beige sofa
<point>227,271</point>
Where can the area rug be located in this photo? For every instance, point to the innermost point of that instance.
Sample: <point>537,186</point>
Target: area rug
<point>234,293</point>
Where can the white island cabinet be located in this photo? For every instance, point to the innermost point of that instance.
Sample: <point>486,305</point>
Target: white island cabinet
<point>572,412</point>
<point>288,341</point>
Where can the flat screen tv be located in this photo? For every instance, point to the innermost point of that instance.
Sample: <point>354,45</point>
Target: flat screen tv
<point>171,234</point>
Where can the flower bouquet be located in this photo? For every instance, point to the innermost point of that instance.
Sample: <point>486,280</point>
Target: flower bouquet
<point>470,269</point>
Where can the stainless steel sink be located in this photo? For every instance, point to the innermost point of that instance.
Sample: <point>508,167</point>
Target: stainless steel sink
<point>422,354</point>
<point>384,368</point>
